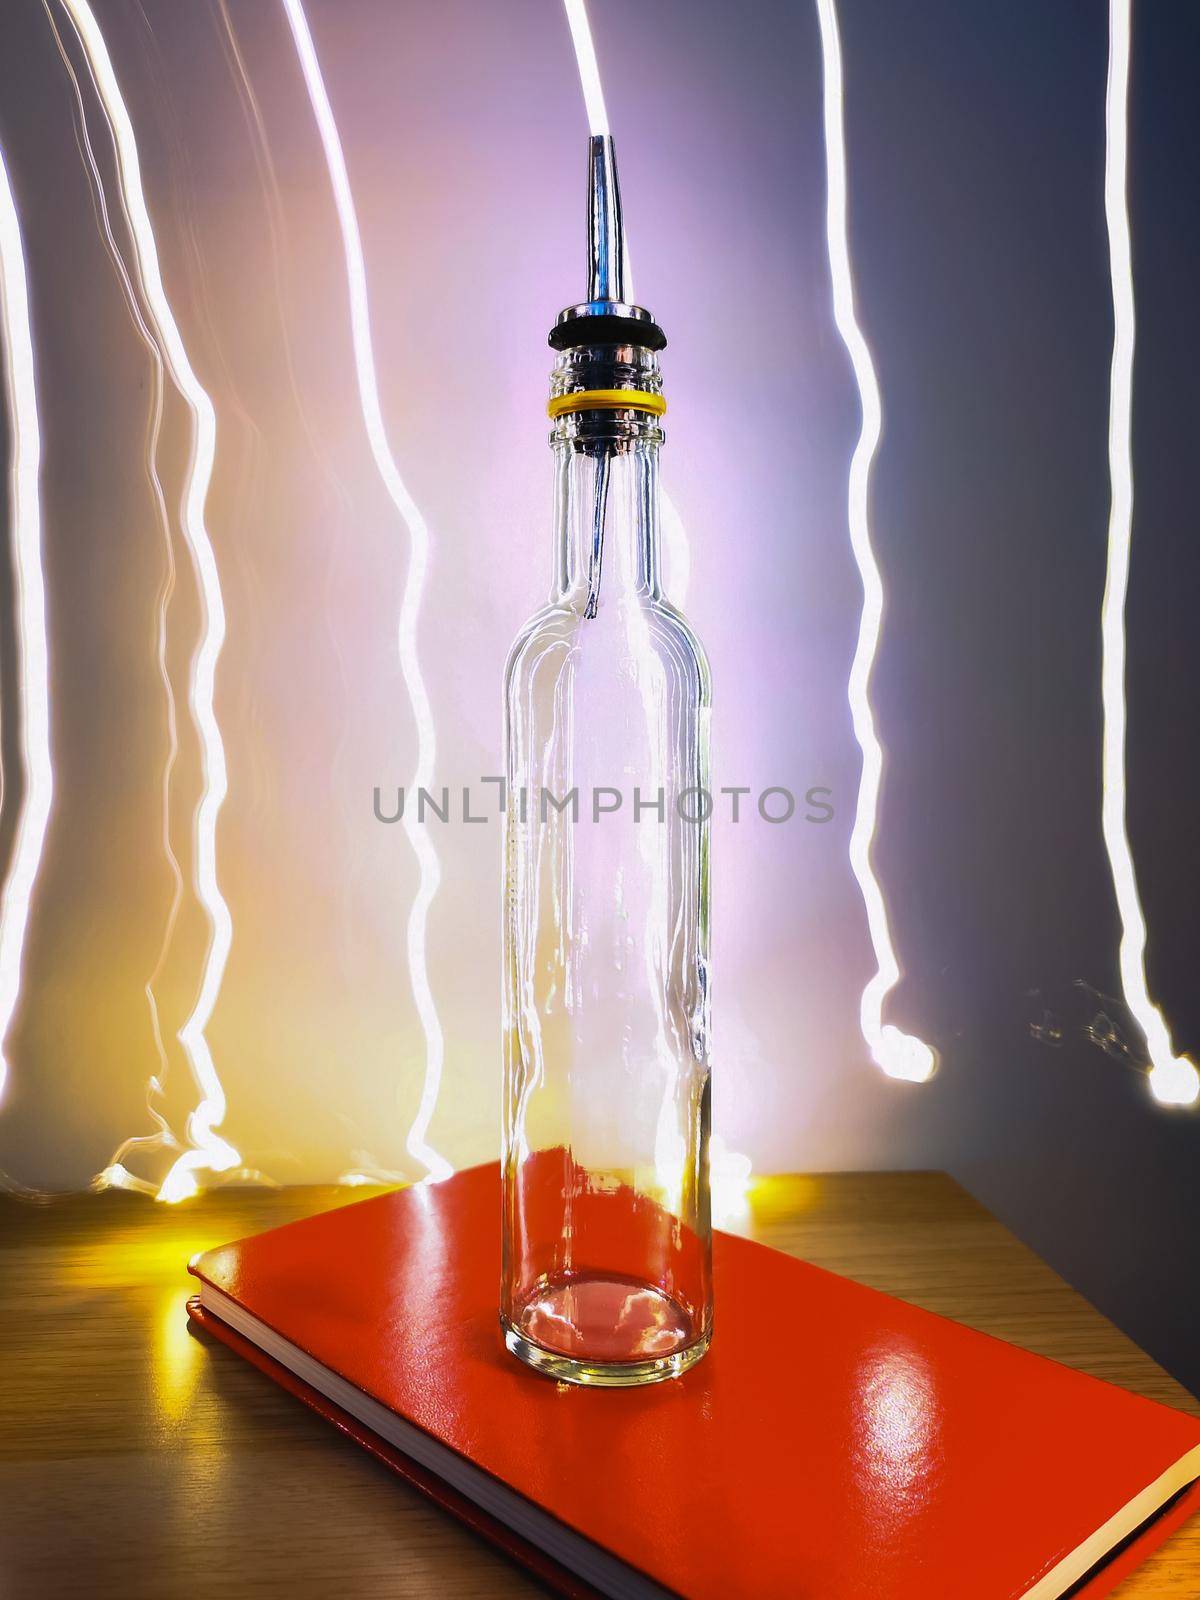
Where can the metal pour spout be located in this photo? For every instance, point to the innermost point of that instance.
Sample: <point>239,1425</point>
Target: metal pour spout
<point>607,316</point>
<point>606,228</point>
<point>613,338</point>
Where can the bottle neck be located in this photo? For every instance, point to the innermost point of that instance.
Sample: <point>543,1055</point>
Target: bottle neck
<point>606,484</point>
<point>606,520</point>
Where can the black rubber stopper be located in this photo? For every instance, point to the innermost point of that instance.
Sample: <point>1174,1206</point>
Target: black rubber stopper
<point>604,329</point>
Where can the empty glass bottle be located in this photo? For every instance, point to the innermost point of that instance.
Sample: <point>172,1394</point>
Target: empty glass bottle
<point>606,1215</point>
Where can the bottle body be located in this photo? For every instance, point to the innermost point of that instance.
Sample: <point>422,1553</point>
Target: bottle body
<point>606,1212</point>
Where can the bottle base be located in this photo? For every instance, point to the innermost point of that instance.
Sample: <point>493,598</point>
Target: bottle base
<point>601,1374</point>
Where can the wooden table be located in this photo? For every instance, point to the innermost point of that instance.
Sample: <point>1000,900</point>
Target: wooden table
<point>139,1460</point>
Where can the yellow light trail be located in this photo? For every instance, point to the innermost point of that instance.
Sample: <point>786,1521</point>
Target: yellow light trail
<point>417,1142</point>
<point>1173,1079</point>
<point>209,1150</point>
<point>33,686</point>
<point>899,1054</point>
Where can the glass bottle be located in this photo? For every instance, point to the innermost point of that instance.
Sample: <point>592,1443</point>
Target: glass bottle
<point>606,1275</point>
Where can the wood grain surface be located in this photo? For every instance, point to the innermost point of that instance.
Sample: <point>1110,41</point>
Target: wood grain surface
<point>137,1459</point>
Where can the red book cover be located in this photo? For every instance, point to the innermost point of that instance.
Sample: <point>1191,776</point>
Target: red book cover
<point>835,1444</point>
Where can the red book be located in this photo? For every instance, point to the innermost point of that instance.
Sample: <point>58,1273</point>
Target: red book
<point>835,1444</point>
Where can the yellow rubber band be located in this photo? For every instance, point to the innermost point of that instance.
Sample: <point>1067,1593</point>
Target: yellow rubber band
<point>607,400</point>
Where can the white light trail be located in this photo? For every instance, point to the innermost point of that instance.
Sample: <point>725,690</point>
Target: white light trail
<point>209,1150</point>
<point>417,1142</point>
<point>1173,1079</point>
<point>116,1174</point>
<point>589,69</point>
<point>33,687</point>
<point>899,1054</point>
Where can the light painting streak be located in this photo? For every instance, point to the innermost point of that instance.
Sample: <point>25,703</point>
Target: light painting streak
<point>417,1143</point>
<point>33,688</point>
<point>899,1054</point>
<point>209,1150</point>
<point>589,69</point>
<point>117,1174</point>
<point>1173,1079</point>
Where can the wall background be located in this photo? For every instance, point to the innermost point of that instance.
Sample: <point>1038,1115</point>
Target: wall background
<point>976,148</point>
